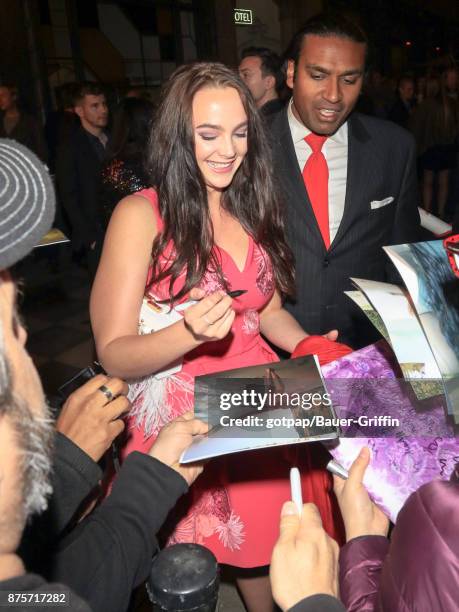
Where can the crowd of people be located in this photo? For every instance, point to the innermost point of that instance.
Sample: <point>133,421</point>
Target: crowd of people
<point>274,185</point>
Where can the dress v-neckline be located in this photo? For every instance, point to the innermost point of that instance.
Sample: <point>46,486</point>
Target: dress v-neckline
<point>247,257</point>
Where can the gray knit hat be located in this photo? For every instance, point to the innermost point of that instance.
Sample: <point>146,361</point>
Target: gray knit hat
<point>27,202</point>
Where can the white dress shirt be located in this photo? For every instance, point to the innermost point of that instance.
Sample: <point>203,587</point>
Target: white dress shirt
<point>335,152</point>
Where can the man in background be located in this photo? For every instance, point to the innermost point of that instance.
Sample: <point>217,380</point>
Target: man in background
<point>78,165</point>
<point>402,108</point>
<point>19,125</point>
<point>260,69</point>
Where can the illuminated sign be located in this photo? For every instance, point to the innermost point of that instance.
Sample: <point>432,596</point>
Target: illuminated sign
<point>242,16</point>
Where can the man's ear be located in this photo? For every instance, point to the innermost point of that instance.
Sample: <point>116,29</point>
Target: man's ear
<point>290,73</point>
<point>79,111</point>
<point>270,82</point>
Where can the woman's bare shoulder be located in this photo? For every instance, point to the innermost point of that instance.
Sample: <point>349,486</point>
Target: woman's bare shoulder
<point>135,209</point>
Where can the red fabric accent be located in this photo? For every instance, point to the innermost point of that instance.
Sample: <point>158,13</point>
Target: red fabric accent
<point>326,350</point>
<point>318,488</point>
<point>451,244</point>
<point>315,176</point>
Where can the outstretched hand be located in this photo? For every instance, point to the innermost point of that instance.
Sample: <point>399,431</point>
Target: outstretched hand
<point>90,419</point>
<point>305,558</point>
<point>173,439</point>
<point>360,515</point>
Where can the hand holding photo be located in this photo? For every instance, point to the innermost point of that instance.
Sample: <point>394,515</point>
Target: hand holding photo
<point>271,404</point>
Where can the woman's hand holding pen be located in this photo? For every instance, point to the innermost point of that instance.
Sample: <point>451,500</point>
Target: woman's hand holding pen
<point>211,318</point>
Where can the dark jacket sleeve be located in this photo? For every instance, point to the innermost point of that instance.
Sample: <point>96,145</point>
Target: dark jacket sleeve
<point>456,220</point>
<point>68,189</point>
<point>319,603</point>
<point>38,136</point>
<point>75,475</point>
<point>407,220</point>
<point>110,552</point>
<point>360,564</point>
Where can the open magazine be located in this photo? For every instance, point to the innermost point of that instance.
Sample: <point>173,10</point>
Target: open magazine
<point>425,447</point>
<point>255,407</point>
<point>434,290</point>
<point>421,321</point>
<point>405,335</point>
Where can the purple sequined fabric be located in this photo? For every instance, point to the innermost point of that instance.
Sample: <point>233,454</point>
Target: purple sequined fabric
<point>422,448</point>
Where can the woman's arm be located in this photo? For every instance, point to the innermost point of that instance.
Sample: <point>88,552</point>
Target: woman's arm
<point>117,295</point>
<point>279,327</point>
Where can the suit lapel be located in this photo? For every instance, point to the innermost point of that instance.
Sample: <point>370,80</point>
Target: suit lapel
<point>290,175</point>
<point>357,163</point>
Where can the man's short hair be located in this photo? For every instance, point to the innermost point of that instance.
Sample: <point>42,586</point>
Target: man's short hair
<point>325,25</point>
<point>271,63</point>
<point>87,88</point>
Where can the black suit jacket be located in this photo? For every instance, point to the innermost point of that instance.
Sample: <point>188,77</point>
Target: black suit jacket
<point>399,113</point>
<point>78,168</point>
<point>381,165</point>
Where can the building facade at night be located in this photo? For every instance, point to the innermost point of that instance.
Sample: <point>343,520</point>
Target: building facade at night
<point>138,43</point>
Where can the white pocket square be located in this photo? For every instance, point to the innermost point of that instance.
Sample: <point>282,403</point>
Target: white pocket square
<point>380,203</point>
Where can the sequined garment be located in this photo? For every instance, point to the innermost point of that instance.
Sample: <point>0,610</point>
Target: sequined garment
<point>120,178</point>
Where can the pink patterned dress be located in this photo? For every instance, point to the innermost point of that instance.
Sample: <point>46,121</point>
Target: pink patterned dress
<point>233,508</point>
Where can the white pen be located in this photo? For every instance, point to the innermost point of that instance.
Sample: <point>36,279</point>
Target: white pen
<point>295,486</point>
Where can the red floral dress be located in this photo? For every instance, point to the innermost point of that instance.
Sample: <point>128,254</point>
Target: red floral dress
<point>233,508</point>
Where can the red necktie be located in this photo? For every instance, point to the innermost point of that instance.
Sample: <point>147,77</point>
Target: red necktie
<point>315,176</point>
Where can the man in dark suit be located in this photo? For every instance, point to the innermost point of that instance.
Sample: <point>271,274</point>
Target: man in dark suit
<point>78,166</point>
<point>348,193</point>
<point>402,108</point>
<point>260,69</point>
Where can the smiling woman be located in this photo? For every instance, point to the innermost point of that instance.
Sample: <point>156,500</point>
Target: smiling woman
<point>220,148</point>
<point>211,224</point>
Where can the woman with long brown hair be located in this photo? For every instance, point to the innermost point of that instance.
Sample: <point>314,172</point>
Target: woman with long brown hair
<point>211,224</point>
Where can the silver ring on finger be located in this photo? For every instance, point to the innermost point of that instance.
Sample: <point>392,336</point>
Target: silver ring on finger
<point>106,391</point>
<point>207,320</point>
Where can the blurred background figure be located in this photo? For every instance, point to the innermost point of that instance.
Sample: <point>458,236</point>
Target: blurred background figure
<point>450,81</point>
<point>261,70</point>
<point>79,160</point>
<point>435,127</point>
<point>378,90</point>
<point>420,89</point>
<point>402,108</point>
<point>61,123</point>
<point>19,125</point>
<point>137,92</point>
<point>124,172</point>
